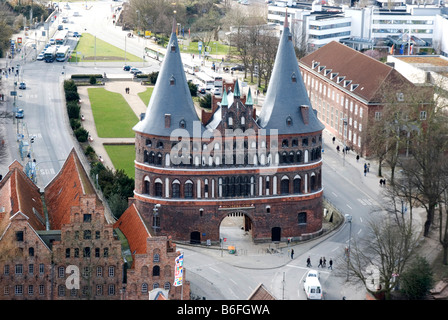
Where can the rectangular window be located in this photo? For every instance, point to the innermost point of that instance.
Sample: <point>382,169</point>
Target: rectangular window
<point>301,217</point>
<point>111,271</point>
<point>377,115</point>
<point>18,290</point>
<point>422,115</point>
<point>41,289</point>
<point>87,234</point>
<point>111,290</point>
<point>30,289</point>
<point>19,236</point>
<point>31,268</point>
<point>41,268</point>
<point>6,270</point>
<point>19,269</point>
<point>87,217</point>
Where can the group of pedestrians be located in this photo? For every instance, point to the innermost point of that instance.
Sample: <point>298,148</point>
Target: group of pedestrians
<point>322,263</point>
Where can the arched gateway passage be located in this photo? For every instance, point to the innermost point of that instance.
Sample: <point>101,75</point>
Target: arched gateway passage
<point>235,227</point>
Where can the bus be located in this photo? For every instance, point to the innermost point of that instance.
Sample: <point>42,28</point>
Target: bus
<point>61,37</point>
<point>50,54</point>
<point>155,53</point>
<point>207,81</point>
<point>191,69</point>
<point>218,82</point>
<point>62,53</point>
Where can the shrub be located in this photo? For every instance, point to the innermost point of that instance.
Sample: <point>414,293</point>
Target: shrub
<point>153,77</point>
<point>73,110</point>
<point>75,123</point>
<point>71,96</point>
<point>69,85</point>
<point>81,134</point>
<point>92,80</point>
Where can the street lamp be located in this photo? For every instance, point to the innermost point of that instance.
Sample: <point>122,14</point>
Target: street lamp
<point>348,218</point>
<point>344,133</point>
<point>155,218</point>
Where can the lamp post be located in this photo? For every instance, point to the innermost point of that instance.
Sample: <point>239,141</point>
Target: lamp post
<point>344,133</point>
<point>348,218</point>
<point>155,218</point>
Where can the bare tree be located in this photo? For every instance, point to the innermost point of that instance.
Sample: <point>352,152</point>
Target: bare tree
<point>380,256</point>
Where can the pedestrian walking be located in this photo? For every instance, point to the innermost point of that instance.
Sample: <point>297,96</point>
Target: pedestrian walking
<point>334,138</point>
<point>320,263</point>
<point>365,171</point>
<point>292,253</point>
<point>368,167</point>
<point>331,264</point>
<point>357,158</point>
<point>324,264</point>
<point>308,262</point>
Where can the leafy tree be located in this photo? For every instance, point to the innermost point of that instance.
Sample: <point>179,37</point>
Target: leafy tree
<point>417,280</point>
<point>206,101</point>
<point>193,89</point>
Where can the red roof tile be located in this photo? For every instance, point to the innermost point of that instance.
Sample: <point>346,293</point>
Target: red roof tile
<point>134,229</point>
<point>64,191</point>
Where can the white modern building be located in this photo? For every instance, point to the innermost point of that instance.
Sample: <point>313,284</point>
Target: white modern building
<point>319,24</point>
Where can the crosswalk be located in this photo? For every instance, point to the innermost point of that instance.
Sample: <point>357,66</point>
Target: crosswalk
<point>366,202</point>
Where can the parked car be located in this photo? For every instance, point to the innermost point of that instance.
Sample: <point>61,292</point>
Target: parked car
<point>40,56</point>
<point>76,34</point>
<point>127,68</point>
<point>20,114</point>
<point>136,72</point>
<point>22,85</point>
<point>201,90</point>
<point>237,68</point>
<point>133,70</point>
<point>60,27</point>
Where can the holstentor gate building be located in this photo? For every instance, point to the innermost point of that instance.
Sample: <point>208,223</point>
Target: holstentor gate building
<point>191,174</point>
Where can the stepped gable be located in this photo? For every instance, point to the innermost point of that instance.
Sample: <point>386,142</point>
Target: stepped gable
<point>287,93</point>
<point>171,106</point>
<point>64,191</point>
<point>366,74</point>
<point>19,194</point>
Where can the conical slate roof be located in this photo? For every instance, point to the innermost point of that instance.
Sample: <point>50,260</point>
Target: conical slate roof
<point>287,93</point>
<point>171,96</point>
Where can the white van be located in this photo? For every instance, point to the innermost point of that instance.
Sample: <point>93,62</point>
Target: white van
<point>312,287</point>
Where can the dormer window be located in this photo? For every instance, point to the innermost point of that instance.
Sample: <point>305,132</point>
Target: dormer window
<point>315,64</point>
<point>353,87</point>
<point>340,79</point>
<point>289,37</point>
<point>173,48</point>
<point>334,74</point>
<point>327,71</point>
<point>293,77</point>
<point>289,121</point>
<point>347,82</point>
<point>321,68</point>
<point>182,124</point>
<point>172,81</point>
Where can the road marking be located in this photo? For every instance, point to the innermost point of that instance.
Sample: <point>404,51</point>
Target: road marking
<point>298,267</point>
<point>349,207</point>
<point>215,270</point>
<point>233,281</point>
<point>334,193</point>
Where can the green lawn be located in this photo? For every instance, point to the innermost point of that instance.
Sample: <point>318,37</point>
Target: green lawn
<point>122,157</point>
<point>113,116</point>
<point>104,51</point>
<point>146,95</point>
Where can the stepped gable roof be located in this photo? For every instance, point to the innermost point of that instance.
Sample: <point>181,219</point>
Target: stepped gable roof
<point>19,194</point>
<point>171,96</point>
<point>64,191</point>
<point>286,93</point>
<point>367,75</point>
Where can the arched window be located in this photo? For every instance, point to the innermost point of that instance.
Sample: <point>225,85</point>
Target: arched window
<point>188,189</point>
<point>297,184</point>
<point>158,188</point>
<point>284,185</point>
<point>175,189</point>
<point>146,185</point>
<point>155,271</point>
<point>144,287</point>
<point>146,156</point>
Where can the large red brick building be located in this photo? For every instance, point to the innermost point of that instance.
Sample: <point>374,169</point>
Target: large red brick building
<point>350,89</point>
<point>45,236</point>
<point>191,173</point>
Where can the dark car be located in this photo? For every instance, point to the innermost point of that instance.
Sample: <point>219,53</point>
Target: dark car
<point>237,68</point>
<point>201,90</point>
<point>22,85</point>
<point>127,68</point>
